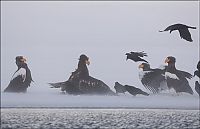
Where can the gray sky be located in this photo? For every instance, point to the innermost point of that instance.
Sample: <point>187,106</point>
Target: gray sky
<point>52,35</point>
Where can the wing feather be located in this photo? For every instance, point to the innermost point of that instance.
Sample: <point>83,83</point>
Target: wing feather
<point>153,80</point>
<point>20,73</point>
<point>185,74</point>
<point>185,34</point>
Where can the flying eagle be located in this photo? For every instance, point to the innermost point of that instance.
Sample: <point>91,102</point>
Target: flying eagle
<point>136,56</point>
<point>183,31</point>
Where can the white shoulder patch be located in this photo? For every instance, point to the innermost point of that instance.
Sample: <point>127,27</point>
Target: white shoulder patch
<point>21,72</point>
<point>171,75</point>
<point>162,67</point>
<point>142,73</point>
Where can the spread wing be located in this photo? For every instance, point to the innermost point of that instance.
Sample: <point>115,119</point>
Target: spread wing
<point>185,34</point>
<point>57,85</point>
<point>153,80</point>
<point>180,84</point>
<point>94,86</point>
<point>140,54</point>
<point>185,74</point>
<point>171,27</point>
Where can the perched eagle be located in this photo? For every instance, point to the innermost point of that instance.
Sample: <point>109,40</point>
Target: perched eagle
<point>21,79</point>
<point>136,56</point>
<point>175,78</point>
<point>183,31</point>
<point>130,89</point>
<point>80,82</point>
<point>152,79</point>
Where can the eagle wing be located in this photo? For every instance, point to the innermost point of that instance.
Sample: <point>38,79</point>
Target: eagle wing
<point>140,54</point>
<point>185,74</point>
<point>180,84</point>
<point>197,87</point>
<point>185,34</point>
<point>17,81</point>
<point>153,80</point>
<point>198,66</point>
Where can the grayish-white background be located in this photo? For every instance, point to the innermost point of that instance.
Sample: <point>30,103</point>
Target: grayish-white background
<point>52,35</point>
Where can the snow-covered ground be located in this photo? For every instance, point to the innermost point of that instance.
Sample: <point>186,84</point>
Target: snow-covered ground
<point>99,118</point>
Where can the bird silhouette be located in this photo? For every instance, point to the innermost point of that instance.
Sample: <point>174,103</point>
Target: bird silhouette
<point>197,87</point>
<point>136,56</point>
<point>183,31</point>
<point>197,72</point>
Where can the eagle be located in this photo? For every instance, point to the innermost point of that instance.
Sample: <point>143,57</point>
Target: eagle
<point>80,82</point>
<point>152,79</point>
<point>183,30</point>
<point>130,89</point>
<point>22,78</point>
<point>136,56</point>
<point>175,78</point>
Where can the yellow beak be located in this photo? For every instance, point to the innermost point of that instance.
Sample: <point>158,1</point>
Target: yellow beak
<point>141,66</point>
<point>167,60</point>
<point>23,59</point>
<point>87,62</point>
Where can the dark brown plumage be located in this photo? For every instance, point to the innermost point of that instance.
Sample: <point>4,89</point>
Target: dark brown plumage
<point>119,88</point>
<point>175,78</point>
<point>130,89</point>
<point>183,31</point>
<point>197,87</point>
<point>197,72</point>
<point>152,79</point>
<point>80,82</point>
<point>136,56</point>
<point>22,78</point>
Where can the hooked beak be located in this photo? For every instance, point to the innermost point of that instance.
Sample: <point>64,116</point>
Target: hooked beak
<point>23,60</point>
<point>141,66</point>
<point>87,62</point>
<point>167,60</point>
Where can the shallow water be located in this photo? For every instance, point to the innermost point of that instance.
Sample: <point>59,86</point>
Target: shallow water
<point>44,118</point>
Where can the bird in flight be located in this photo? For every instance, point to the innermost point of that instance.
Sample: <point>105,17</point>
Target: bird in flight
<point>183,30</point>
<point>136,56</point>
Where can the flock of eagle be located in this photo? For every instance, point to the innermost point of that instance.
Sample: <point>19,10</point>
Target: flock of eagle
<point>80,82</point>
